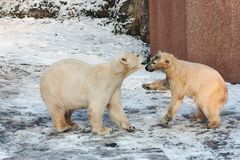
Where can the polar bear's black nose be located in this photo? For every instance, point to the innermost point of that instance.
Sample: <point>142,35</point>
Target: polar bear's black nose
<point>146,68</point>
<point>149,68</point>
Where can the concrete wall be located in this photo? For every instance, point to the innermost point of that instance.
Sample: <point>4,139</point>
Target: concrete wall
<point>205,31</point>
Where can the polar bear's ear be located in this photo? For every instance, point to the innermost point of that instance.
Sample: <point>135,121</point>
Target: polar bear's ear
<point>123,60</point>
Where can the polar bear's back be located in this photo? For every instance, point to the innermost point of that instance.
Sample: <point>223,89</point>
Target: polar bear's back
<point>67,70</point>
<point>71,65</point>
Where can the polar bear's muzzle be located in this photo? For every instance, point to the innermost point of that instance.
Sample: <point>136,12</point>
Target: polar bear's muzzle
<point>149,68</point>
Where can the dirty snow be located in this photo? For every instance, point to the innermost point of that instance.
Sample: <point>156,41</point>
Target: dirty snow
<point>29,46</point>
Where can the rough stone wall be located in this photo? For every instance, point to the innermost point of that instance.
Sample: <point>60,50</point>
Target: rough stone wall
<point>142,19</point>
<point>133,19</point>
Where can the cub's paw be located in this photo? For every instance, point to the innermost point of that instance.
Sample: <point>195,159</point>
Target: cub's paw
<point>73,125</point>
<point>147,86</point>
<point>131,129</point>
<point>127,127</point>
<point>63,129</point>
<point>102,131</point>
<point>165,120</point>
<point>213,125</point>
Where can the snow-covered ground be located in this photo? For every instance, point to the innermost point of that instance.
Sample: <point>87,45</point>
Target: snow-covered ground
<point>28,46</point>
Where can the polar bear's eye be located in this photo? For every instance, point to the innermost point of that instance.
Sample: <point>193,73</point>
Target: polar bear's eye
<point>167,61</point>
<point>137,55</point>
<point>124,59</point>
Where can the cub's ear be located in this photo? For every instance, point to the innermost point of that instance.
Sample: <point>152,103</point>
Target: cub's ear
<point>159,52</point>
<point>124,61</point>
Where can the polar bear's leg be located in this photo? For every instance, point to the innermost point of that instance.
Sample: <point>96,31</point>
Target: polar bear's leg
<point>214,121</point>
<point>58,118</point>
<point>211,108</point>
<point>95,113</point>
<point>68,115</point>
<point>116,112</point>
<point>213,115</point>
<point>172,109</point>
<point>160,85</point>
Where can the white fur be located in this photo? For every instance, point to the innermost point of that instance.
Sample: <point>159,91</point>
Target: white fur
<point>71,84</point>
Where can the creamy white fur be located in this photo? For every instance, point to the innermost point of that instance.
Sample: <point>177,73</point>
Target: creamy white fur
<point>204,84</point>
<point>71,84</point>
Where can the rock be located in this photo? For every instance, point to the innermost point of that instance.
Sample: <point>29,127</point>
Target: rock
<point>132,19</point>
<point>111,144</point>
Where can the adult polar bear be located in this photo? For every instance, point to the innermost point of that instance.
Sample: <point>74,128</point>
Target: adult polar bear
<point>71,84</point>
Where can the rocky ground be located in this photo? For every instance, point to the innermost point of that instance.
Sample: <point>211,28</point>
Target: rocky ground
<point>27,48</point>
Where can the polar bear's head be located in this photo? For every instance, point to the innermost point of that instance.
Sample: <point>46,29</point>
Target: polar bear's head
<point>129,62</point>
<point>160,61</point>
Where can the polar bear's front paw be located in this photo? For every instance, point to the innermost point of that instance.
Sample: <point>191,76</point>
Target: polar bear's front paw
<point>146,86</point>
<point>165,120</point>
<point>62,128</point>
<point>127,127</point>
<point>212,125</point>
<point>131,129</point>
<point>102,131</point>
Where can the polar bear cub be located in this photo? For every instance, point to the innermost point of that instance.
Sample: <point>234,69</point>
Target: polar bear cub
<point>204,84</point>
<point>71,84</point>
